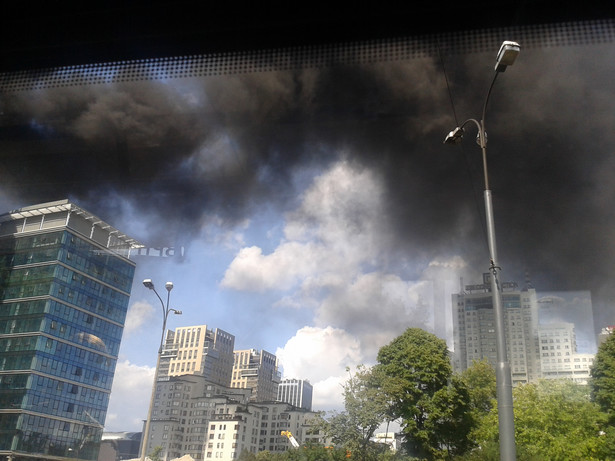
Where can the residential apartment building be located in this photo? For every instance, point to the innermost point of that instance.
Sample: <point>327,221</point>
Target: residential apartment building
<point>297,392</point>
<point>183,407</point>
<point>196,417</point>
<point>257,370</point>
<point>199,350</point>
<point>65,281</point>
<point>474,328</point>
<point>256,427</point>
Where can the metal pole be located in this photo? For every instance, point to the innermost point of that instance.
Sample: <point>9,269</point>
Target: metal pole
<point>149,413</point>
<point>146,430</point>
<point>506,420</point>
<point>502,370</point>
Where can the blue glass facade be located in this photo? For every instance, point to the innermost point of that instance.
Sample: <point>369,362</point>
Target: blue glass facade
<point>64,295</point>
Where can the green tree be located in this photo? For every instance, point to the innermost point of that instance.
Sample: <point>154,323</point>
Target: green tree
<point>554,420</point>
<point>315,453</point>
<point>602,381</point>
<point>245,455</point>
<point>365,408</point>
<point>481,384</point>
<point>417,379</point>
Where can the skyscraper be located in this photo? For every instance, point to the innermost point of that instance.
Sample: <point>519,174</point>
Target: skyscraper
<point>297,392</point>
<point>257,370</point>
<point>200,351</point>
<point>65,281</point>
<point>474,328</point>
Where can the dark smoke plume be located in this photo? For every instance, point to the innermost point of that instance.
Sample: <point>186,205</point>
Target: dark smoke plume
<point>184,150</point>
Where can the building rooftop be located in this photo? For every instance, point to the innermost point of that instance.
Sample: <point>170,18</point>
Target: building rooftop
<point>120,240</point>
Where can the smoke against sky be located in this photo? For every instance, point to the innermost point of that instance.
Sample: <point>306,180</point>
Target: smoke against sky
<point>320,212</point>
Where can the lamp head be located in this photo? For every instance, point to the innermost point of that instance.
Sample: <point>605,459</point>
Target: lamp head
<point>507,55</point>
<point>454,137</point>
<point>168,286</point>
<point>176,312</point>
<point>148,284</point>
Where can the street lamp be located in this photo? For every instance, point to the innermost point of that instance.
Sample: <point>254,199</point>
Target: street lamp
<point>165,315</point>
<point>506,57</point>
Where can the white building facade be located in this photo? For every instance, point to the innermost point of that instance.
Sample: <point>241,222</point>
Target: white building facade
<point>297,392</point>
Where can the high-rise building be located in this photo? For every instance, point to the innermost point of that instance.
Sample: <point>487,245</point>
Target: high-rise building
<point>558,354</point>
<point>65,281</point>
<point>201,351</point>
<point>257,370</point>
<point>297,392</point>
<point>474,328</point>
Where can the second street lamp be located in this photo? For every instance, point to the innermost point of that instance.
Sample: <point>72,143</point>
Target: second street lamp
<point>506,57</point>
<point>166,310</point>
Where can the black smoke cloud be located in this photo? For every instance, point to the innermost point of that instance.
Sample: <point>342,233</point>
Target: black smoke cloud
<point>185,150</point>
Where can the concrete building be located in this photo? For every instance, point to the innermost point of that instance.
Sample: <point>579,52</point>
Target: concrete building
<point>199,350</point>
<point>193,416</point>
<point>474,328</point>
<point>183,407</point>
<point>65,281</point>
<point>558,354</point>
<point>558,345</point>
<point>279,416</point>
<point>257,370</point>
<point>257,427</point>
<point>297,392</point>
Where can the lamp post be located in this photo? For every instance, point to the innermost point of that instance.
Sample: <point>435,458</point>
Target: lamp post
<point>506,57</point>
<point>165,315</point>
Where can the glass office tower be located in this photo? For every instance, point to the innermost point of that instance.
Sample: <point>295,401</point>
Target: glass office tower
<point>65,280</point>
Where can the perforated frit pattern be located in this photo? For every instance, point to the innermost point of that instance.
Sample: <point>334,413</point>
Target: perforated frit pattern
<point>565,34</point>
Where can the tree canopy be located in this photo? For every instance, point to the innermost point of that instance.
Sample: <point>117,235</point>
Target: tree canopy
<point>365,410</point>
<point>554,420</point>
<point>433,406</point>
<point>602,382</point>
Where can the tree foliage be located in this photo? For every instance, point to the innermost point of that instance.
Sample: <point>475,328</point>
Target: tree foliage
<point>306,453</point>
<point>481,384</point>
<point>554,420</point>
<point>417,379</point>
<point>365,408</point>
<point>602,382</point>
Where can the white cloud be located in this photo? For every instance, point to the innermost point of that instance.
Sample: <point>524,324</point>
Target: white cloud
<point>338,227</point>
<point>130,396</point>
<point>328,394</point>
<point>253,271</point>
<point>321,355</point>
<point>139,313</point>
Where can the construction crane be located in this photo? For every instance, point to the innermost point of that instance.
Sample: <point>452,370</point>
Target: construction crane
<point>291,438</point>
